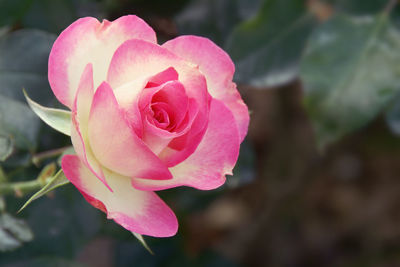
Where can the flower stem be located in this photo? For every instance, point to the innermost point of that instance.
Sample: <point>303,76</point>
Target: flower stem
<point>3,176</point>
<point>39,157</point>
<point>20,188</point>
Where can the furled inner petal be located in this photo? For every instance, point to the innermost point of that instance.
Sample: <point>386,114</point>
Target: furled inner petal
<point>170,96</point>
<point>211,161</point>
<point>115,144</point>
<point>166,114</point>
<point>129,93</point>
<point>159,115</point>
<point>138,58</point>
<point>167,75</point>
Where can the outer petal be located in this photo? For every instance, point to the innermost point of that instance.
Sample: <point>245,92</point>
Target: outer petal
<point>84,96</point>
<point>115,144</point>
<point>85,153</point>
<point>218,68</point>
<point>89,41</point>
<point>137,211</point>
<point>80,117</point>
<point>215,156</point>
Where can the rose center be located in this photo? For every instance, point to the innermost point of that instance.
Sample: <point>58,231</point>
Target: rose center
<point>160,116</point>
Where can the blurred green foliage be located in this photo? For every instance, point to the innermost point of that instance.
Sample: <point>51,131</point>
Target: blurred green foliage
<point>344,53</point>
<point>350,72</point>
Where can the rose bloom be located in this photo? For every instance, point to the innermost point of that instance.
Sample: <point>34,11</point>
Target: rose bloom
<point>145,117</point>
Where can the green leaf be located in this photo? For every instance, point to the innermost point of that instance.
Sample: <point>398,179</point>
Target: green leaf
<point>23,64</point>
<point>143,242</point>
<point>13,232</point>
<point>58,119</point>
<point>58,180</point>
<point>392,116</point>
<point>214,19</point>
<point>267,48</point>
<point>12,11</point>
<point>360,7</point>
<point>350,71</point>
<point>6,147</point>
<point>50,260</point>
<point>7,241</point>
<point>19,123</point>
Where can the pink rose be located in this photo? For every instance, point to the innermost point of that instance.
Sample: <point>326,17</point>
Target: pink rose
<point>145,117</point>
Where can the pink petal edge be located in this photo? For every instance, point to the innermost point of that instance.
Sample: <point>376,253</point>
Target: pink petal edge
<point>215,156</point>
<point>80,117</point>
<point>89,41</point>
<point>218,69</point>
<point>137,211</point>
<point>115,144</point>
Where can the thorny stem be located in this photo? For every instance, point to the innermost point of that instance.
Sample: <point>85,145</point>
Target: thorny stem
<point>20,188</point>
<point>37,158</point>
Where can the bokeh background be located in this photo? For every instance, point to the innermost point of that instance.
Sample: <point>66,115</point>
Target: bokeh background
<point>318,178</point>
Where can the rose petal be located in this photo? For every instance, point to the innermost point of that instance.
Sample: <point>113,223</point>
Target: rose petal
<point>80,117</point>
<point>85,153</point>
<point>214,158</point>
<point>172,93</point>
<point>115,144</point>
<point>127,96</point>
<point>167,75</point>
<point>218,69</point>
<point>89,41</point>
<point>183,146</point>
<point>137,211</point>
<point>83,97</point>
<point>138,58</point>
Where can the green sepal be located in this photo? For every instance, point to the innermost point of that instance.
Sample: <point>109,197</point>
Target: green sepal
<point>57,180</point>
<point>58,119</point>
<point>143,242</point>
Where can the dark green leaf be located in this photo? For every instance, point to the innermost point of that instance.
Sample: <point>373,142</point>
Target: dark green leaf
<point>13,232</point>
<point>18,122</point>
<point>12,11</point>
<point>214,19</point>
<point>7,241</point>
<point>23,64</point>
<point>49,261</point>
<point>6,147</point>
<point>360,7</point>
<point>58,180</point>
<point>392,116</point>
<point>50,15</point>
<point>267,48</point>
<point>350,71</point>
